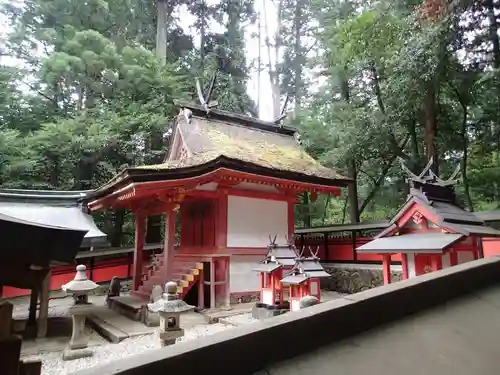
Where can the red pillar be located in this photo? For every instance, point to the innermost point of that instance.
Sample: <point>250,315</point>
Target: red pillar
<point>436,262</point>
<point>221,220</point>
<point>453,258</point>
<point>291,221</point>
<point>475,248</point>
<point>404,265</point>
<point>386,262</point>
<point>168,244</point>
<point>140,234</point>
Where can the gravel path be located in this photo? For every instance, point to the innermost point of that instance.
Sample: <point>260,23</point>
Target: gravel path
<point>52,363</point>
<point>238,320</point>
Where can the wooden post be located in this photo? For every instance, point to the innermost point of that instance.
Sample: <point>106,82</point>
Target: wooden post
<point>386,261</point>
<point>169,244</point>
<point>291,221</point>
<point>212,284</point>
<point>201,290</point>
<point>453,258</point>
<point>273,289</point>
<point>262,276</point>
<point>404,266</point>
<point>44,306</point>
<point>140,234</point>
<point>475,248</point>
<point>221,219</point>
<point>33,307</point>
<point>6,309</point>
<point>436,262</point>
<point>228,282</point>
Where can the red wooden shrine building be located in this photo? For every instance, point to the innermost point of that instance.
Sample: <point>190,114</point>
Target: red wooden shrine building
<point>304,278</point>
<point>278,261</point>
<point>233,180</point>
<point>430,231</point>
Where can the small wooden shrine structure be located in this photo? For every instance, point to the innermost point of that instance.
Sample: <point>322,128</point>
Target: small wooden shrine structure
<point>278,260</point>
<point>44,228</point>
<point>304,278</point>
<point>431,231</point>
<point>233,180</point>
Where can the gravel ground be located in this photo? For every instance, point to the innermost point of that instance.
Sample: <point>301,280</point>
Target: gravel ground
<point>52,363</point>
<point>238,320</point>
<point>58,307</point>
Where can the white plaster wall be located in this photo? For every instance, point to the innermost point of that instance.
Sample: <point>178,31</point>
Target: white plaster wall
<point>446,260</point>
<point>267,297</point>
<point>242,278</point>
<point>256,187</point>
<point>314,289</point>
<point>211,186</point>
<point>464,256</point>
<point>251,221</point>
<point>410,261</point>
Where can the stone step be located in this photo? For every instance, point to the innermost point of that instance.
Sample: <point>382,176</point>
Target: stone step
<point>141,294</point>
<point>106,330</point>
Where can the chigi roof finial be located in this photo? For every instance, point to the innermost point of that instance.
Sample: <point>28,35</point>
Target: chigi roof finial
<point>205,100</point>
<point>428,176</point>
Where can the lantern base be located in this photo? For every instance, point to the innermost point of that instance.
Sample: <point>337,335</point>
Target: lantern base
<point>169,337</point>
<point>70,354</point>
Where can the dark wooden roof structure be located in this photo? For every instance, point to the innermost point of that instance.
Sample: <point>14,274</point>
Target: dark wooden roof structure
<point>437,196</point>
<point>305,268</point>
<point>31,242</point>
<point>489,216</point>
<point>54,209</point>
<point>277,257</point>
<point>218,139</point>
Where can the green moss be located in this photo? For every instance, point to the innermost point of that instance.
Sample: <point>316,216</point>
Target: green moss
<point>270,150</point>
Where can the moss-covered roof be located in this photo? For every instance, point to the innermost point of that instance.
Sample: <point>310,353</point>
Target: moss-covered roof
<point>208,139</point>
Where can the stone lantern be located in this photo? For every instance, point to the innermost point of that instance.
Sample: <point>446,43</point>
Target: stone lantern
<point>169,307</point>
<point>79,287</point>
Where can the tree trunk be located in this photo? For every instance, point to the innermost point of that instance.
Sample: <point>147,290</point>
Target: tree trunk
<point>273,68</point>
<point>162,19</point>
<point>116,235</point>
<point>352,191</point>
<point>430,121</point>
<point>299,53</point>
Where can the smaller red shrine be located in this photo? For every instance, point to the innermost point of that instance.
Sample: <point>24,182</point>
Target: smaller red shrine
<point>279,259</point>
<point>431,231</point>
<point>304,278</point>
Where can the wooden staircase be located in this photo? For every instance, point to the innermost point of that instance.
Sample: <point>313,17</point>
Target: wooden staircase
<point>185,272</point>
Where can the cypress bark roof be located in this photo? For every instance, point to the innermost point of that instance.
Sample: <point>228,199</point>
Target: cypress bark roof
<point>220,139</point>
<point>263,144</point>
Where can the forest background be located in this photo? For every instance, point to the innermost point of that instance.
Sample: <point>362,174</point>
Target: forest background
<point>366,83</point>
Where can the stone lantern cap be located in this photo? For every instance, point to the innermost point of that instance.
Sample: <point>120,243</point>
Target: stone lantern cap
<point>80,283</point>
<point>170,303</point>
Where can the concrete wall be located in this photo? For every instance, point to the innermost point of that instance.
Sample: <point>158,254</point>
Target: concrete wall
<point>250,348</point>
<point>353,280</point>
